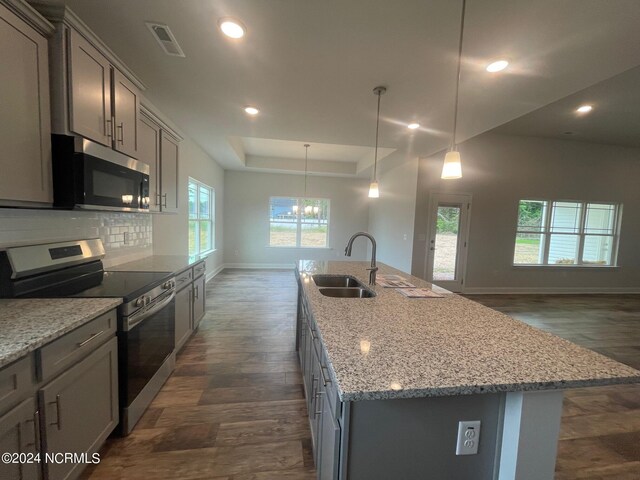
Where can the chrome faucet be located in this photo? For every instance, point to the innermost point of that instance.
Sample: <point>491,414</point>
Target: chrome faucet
<point>374,267</point>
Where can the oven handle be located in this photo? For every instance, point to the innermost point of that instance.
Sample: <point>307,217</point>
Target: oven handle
<point>131,325</point>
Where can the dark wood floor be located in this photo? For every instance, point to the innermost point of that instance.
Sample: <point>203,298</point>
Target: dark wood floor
<point>234,407</point>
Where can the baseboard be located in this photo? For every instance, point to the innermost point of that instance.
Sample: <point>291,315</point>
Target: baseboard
<point>269,266</point>
<point>215,272</point>
<point>550,290</point>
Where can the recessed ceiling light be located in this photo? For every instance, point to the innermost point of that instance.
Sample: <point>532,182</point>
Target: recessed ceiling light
<point>413,126</point>
<point>497,66</point>
<point>251,110</point>
<point>584,109</point>
<point>231,27</point>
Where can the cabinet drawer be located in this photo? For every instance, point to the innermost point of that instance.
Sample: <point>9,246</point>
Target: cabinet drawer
<point>68,349</point>
<point>199,269</point>
<point>16,382</point>
<point>184,278</point>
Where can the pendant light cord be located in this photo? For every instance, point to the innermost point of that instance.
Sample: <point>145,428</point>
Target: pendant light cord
<point>306,160</point>
<point>455,112</point>
<point>375,157</point>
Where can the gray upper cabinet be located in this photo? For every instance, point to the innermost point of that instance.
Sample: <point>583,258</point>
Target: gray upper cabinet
<point>80,409</point>
<point>19,435</point>
<point>149,153</point>
<point>89,91</point>
<point>25,157</point>
<point>93,93</point>
<point>169,173</point>
<point>126,113</point>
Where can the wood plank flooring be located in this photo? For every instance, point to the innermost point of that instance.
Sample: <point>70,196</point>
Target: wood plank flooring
<point>600,433</point>
<point>234,407</point>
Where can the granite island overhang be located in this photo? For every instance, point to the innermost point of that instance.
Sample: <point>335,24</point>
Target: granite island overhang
<point>409,369</point>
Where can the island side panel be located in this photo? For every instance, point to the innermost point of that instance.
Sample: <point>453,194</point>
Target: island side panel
<point>416,438</point>
<point>530,435</point>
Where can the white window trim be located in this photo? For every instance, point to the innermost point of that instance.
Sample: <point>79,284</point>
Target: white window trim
<point>212,214</point>
<point>298,245</point>
<point>546,232</point>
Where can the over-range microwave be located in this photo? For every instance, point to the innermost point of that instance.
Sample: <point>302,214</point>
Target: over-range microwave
<point>87,175</point>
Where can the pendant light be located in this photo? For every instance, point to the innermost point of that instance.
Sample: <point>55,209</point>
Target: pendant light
<point>374,192</point>
<point>308,209</point>
<point>452,167</point>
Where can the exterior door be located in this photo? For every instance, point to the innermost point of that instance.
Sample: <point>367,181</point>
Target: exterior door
<point>447,240</point>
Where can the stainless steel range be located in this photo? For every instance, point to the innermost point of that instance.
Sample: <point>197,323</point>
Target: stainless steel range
<point>146,318</point>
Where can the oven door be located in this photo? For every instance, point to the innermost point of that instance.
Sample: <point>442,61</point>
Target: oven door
<point>112,186</point>
<point>145,341</point>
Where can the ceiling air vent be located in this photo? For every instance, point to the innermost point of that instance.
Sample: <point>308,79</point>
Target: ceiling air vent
<point>166,39</point>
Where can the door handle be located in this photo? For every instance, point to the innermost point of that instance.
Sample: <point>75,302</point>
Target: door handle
<point>121,128</point>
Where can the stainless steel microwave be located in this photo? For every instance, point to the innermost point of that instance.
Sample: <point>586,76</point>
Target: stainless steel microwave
<point>87,175</point>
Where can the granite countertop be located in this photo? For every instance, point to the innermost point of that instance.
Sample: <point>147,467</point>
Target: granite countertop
<point>390,346</point>
<point>159,263</point>
<point>28,324</point>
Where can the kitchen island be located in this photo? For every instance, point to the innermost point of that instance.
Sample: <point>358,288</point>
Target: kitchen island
<point>389,378</point>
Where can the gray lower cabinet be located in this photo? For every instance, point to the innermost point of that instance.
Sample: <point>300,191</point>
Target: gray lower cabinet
<point>19,435</point>
<point>79,409</point>
<point>184,313</point>
<point>199,294</point>
<point>328,451</point>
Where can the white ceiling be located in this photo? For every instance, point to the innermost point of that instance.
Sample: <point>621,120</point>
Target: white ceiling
<point>310,66</point>
<point>615,118</point>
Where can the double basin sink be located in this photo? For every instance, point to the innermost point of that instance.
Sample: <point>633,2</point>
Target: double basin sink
<point>341,286</point>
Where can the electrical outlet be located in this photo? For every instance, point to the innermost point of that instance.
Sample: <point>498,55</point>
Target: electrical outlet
<point>468,437</point>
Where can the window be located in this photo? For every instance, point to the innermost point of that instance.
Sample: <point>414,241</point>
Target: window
<point>298,222</point>
<point>566,233</point>
<point>202,209</point>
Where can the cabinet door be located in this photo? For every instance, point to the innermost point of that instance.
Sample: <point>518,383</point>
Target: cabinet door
<point>80,408</point>
<point>199,297</point>
<point>149,153</point>
<point>19,434</point>
<point>25,135</point>
<point>329,434</point>
<point>126,114</point>
<point>169,173</point>
<point>184,308</point>
<point>89,91</point>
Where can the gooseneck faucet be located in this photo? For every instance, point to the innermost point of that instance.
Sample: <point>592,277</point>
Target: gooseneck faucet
<point>374,267</point>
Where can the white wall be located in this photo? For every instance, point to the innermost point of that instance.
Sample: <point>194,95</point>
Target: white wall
<point>391,217</point>
<point>246,217</point>
<point>171,236</point>
<point>28,227</point>
<point>500,170</point>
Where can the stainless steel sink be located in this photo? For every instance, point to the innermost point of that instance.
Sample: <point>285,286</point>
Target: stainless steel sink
<point>345,292</point>
<point>344,281</point>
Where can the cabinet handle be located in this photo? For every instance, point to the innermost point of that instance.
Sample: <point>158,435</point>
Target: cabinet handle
<point>318,397</point>
<point>325,379</point>
<point>95,335</point>
<point>196,293</point>
<point>314,382</point>
<point>121,128</point>
<point>36,431</point>
<point>58,412</point>
<point>164,195</point>
<point>108,128</point>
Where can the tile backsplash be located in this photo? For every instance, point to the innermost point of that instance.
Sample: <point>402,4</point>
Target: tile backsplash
<point>126,236</point>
